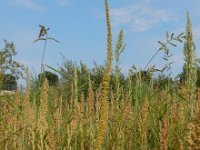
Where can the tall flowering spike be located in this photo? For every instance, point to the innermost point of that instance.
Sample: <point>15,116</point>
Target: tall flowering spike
<point>163,136</point>
<point>26,103</point>
<point>82,102</point>
<point>44,103</point>
<point>98,95</point>
<point>120,46</point>
<point>102,126</point>
<point>190,66</point>
<point>75,87</point>
<point>90,99</point>
<point>27,83</point>
<point>17,98</point>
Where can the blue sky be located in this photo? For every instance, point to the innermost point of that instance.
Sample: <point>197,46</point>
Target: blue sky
<point>80,26</point>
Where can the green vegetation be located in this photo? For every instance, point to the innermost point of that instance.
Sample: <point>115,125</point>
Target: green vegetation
<point>74,107</point>
<point>10,70</point>
<point>9,82</point>
<point>52,78</point>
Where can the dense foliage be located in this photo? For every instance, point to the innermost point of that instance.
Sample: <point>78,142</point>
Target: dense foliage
<point>52,78</point>
<point>9,82</point>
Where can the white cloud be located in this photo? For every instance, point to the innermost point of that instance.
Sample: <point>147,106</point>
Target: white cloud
<point>140,17</point>
<point>28,4</point>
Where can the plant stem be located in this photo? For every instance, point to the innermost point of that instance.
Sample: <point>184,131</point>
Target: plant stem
<point>44,49</point>
<point>151,59</point>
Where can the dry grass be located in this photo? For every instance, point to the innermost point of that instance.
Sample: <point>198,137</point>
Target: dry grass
<point>145,117</point>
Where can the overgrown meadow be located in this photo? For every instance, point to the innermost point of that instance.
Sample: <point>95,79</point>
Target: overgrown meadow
<point>100,108</point>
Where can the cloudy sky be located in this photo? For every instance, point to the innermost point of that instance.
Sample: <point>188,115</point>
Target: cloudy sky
<point>80,27</point>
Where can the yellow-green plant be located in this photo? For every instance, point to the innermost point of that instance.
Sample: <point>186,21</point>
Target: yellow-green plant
<point>120,46</point>
<point>103,122</point>
<point>190,67</point>
<point>75,83</point>
<point>43,110</point>
<point>90,101</point>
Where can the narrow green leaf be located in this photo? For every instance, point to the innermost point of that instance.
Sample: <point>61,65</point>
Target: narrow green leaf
<point>53,40</point>
<point>158,70</point>
<point>165,58</point>
<point>162,44</point>
<point>178,39</point>
<point>39,39</point>
<point>172,44</point>
<point>167,36</point>
<point>61,73</point>
<point>172,36</point>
